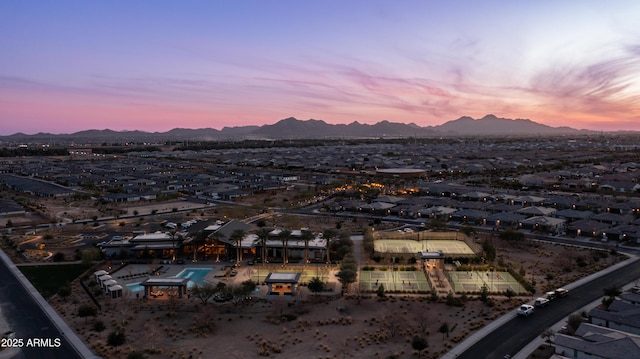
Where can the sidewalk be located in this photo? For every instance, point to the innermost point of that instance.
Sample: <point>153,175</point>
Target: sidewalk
<point>527,350</point>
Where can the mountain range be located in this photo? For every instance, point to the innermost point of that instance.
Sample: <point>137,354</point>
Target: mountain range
<point>292,128</point>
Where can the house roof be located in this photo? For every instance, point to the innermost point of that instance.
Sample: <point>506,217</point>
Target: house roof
<point>601,342</point>
<point>471,213</point>
<point>574,214</point>
<point>544,220</point>
<point>508,217</point>
<point>228,228</point>
<point>164,282</point>
<point>283,277</point>
<point>629,316</point>
<point>587,225</point>
<point>537,211</point>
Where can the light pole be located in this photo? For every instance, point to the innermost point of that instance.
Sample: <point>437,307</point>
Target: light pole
<point>491,270</point>
<point>393,273</point>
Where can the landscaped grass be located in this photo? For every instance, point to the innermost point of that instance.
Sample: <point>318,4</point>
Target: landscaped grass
<point>49,278</point>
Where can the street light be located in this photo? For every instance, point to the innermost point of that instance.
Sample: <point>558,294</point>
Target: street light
<point>393,273</point>
<point>491,270</point>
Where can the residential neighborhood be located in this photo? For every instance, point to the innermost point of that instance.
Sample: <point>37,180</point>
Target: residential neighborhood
<point>274,222</point>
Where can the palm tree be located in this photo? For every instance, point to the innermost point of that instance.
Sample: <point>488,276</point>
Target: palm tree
<point>329,235</point>
<point>306,237</point>
<point>284,236</point>
<point>215,236</point>
<point>199,238</point>
<point>263,235</point>
<point>236,237</point>
<point>173,233</point>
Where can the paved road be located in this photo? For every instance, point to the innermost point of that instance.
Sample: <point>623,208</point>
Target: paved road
<point>514,335</point>
<point>28,321</point>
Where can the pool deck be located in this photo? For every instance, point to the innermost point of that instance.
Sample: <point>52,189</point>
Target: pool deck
<point>138,272</point>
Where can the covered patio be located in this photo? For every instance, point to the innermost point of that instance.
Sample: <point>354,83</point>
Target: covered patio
<point>158,287</point>
<point>282,283</point>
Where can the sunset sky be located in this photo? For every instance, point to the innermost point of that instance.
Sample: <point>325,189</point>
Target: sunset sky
<point>67,66</point>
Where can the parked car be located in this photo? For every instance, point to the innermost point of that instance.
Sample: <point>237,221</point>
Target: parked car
<point>550,295</point>
<point>222,297</point>
<point>525,310</point>
<point>561,292</point>
<point>541,302</point>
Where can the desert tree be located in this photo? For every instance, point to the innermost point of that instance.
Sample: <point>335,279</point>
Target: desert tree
<point>204,292</point>
<point>422,321</point>
<point>315,285</point>
<point>65,290</point>
<point>204,322</point>
<point>610,294</point>
<point>348,271</point>
<point>444,329</point>
<point>393,323</point>
<point>573,322</point>
<point>98,326</point>
<point>87,310</point>
<point>239,292</point>
<point>116,338</point>
<point>419,343</point>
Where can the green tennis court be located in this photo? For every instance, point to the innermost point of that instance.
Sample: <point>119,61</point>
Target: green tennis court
<point>473,281</point>
<point>450,248</point>
<point>413,281</point>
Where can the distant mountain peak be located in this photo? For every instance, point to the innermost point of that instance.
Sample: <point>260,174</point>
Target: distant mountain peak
<point>489,117</point>
<point>291,127</point>
<point>491,125</point>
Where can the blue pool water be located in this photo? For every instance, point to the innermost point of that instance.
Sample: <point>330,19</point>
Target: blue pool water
<point>135,287</point>
<point>195,275</point>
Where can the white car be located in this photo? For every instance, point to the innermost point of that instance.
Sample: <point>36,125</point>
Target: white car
<point>525,310</point>
<point>541,302</point>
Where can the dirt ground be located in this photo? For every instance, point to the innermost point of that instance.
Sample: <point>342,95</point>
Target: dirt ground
<point>318,327</point>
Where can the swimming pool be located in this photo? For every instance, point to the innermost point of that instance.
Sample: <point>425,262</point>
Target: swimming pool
<point>195,275</point>
<point>135,287</point>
